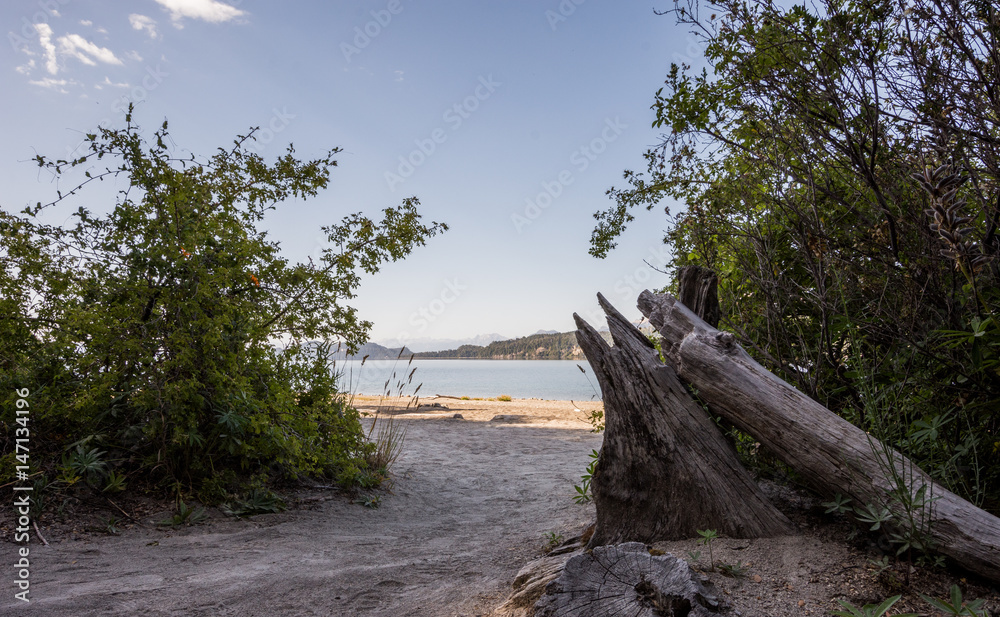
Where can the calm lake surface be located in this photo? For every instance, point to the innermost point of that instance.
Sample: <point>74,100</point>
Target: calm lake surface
<point>544,379</point>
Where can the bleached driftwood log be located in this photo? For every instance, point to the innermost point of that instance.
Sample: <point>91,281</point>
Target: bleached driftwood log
<point>827,451</point>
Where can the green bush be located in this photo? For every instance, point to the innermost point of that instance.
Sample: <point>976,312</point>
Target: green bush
<point>850,214</point>
<point>149,336</point>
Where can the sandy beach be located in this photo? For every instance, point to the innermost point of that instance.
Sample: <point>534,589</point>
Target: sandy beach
<point>472,500</point>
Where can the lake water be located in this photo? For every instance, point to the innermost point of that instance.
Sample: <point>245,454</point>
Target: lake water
<point>544,379</point>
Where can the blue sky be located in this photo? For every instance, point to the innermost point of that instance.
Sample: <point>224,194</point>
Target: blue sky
<point>508,120</point>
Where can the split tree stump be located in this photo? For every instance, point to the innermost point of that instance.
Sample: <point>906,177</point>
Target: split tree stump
<point>665,469</point>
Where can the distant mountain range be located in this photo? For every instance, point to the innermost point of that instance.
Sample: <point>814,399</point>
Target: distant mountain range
<point>545,346</point>
<point>542,345</point>
<point>436,344</point>
<point>374,351</point>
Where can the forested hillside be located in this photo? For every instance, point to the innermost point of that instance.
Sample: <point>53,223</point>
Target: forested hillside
<point>561,346</point>
<point>374,351</point>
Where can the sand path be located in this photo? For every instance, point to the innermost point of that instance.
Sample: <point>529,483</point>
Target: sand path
<point>471,502</point>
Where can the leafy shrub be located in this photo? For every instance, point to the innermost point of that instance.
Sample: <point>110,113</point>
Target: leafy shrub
<point>147,335</point>
<point>851,216</point>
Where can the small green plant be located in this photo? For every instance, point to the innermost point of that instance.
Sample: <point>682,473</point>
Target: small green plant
<point>504,398</point>
<point>552,540</point>
<point>839,505</point>
<point>86,464</point>
<point>583,489</point>
<point>869,610</point>
<point>881,564</point>
<point>875,515</point>
<point>596,419</point>
<point>694,555</point>
<point>258,501</point>
<point>114,483</point>
<point>707,537</point>
<point>372,501</point>
<point>885,575</point>
<point>957,606</point>
<point>111,526</point>
<point>185,516</point>
<point>465,398</point>
<point>734,570</point>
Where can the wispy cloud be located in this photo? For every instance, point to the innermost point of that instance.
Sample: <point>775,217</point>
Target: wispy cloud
<point>107,82</point>
<point>144,24</point>
<point>83,50</point>
<point>211,11</point>
<point>52,84</point>
<point>70,45</point>
<point>45,39</point>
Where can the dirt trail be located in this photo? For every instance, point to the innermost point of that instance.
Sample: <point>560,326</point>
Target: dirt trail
<point>471,503</point>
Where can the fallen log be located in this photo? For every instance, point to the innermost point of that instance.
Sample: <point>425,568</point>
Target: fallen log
<point>829,453</point>
<point>665,470</point>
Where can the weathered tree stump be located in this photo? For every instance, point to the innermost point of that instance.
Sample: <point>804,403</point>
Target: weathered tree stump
<point>532,579</point>
<point>626,580</point>
<point>665,469</point>
<point>827,451</point>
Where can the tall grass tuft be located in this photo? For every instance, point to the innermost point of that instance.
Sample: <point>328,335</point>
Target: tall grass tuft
<point>387,434</point>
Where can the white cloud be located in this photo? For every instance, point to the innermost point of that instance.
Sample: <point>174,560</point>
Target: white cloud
<point>72,45</point>
<point>134,55</point>
<point>45,38</point>
<point>211,11</point>
<point>86,22</point>
<point>107,82</point>
<point>52,84</point>
<point>143,23</point>
<point>83,50</point>
<point>25,69</point>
